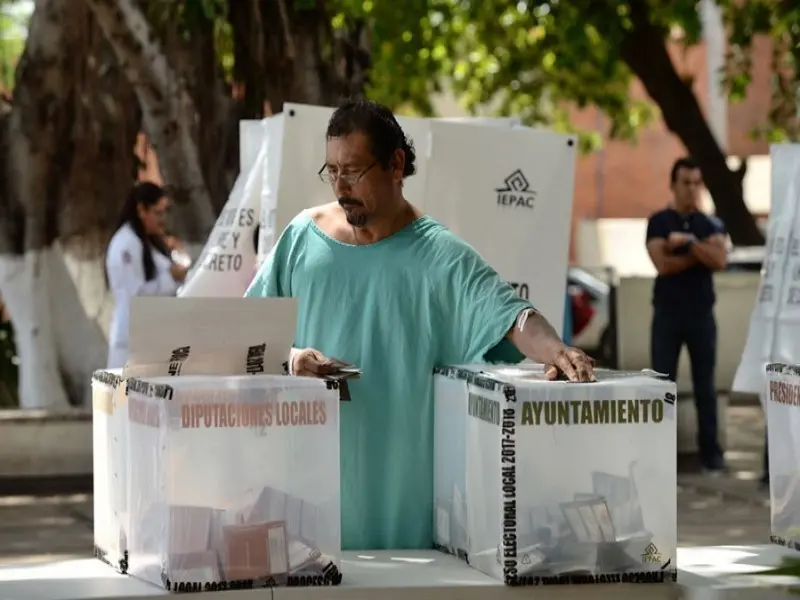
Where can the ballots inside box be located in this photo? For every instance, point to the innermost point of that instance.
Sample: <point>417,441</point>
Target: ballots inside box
<point>255,552</point>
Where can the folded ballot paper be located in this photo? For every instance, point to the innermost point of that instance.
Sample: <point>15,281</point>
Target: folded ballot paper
<point>191,434</point>
<point>548,482</point>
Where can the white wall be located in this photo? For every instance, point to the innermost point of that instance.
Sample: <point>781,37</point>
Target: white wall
<point>736,294</point>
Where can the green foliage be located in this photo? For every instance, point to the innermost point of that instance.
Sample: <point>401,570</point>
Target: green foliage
<point>13,23</point>
<point>789,567</point>
<point>528,59</point>
<point>780,22</point>
<point>532,58</point>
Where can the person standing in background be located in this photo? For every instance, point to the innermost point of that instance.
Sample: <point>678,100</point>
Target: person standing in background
<point>686,247</point>
<point>138,262</point>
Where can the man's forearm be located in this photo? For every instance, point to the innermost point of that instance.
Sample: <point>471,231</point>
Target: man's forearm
<point>535,337</point>
<point>672,265</point>
<point>710,254</point>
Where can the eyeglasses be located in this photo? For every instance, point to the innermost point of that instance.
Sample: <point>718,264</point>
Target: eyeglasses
<point>346,178</point>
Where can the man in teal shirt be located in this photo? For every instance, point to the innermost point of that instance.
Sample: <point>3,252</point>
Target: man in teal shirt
<point>388,289</point>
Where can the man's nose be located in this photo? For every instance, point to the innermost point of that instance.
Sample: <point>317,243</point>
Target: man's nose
<point>340,187</point>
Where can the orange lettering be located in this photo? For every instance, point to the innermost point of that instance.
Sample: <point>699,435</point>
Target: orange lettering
<point>320,415</point>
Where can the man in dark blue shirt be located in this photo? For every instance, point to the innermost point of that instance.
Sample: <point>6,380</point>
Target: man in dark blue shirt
<point>686,247</point>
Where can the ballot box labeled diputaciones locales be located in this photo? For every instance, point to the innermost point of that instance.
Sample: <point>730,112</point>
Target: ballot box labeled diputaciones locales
<point>214,338</point>
<point>548,482</point>
<point>234,482</point>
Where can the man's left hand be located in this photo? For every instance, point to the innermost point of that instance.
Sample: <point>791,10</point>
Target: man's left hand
<point>573,364</point>
<point>678,239</point>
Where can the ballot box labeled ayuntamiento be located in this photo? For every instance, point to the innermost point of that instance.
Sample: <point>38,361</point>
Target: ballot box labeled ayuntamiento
<point>542,482</point>
<point>234,482</point>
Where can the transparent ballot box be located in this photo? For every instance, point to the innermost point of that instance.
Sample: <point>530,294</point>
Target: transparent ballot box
<point>234,482</point>
<point>109,443</point>
<point>543,482</point>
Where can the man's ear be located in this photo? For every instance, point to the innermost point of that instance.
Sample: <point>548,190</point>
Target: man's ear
<point>398,163</point>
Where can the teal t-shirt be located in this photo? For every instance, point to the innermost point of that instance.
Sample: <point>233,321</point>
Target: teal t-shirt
<point>396,309</point>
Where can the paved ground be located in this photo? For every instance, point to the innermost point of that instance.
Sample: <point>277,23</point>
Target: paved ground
<point>710,511</point>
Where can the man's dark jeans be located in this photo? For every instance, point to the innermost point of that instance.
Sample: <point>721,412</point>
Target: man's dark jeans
<point>670,331</point>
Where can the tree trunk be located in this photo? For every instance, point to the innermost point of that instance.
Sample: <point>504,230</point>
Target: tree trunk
<point>195,62</point>
<point>168,111</point>
<point>248,55</point>
<point>53,335</point>
<point>303,57</point>
<point>645,53</point>
<point>107,121</point>
<point>57,345</point>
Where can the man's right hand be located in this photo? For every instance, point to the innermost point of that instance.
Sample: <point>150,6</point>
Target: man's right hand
<point>312,363</point>
<point>678,239</point>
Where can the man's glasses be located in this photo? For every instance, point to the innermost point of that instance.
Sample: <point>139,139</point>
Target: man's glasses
<point>331,177</point>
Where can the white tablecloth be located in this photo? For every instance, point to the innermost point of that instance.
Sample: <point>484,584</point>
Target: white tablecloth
<point>704,574</point>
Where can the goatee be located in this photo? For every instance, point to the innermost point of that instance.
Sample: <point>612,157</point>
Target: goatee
<point>356,220</point>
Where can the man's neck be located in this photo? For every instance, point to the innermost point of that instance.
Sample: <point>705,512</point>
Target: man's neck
<point>387,226</point>
<point>683,210</point>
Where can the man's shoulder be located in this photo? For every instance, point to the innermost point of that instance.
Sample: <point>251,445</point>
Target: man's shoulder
<point>320,211</point>
<point>439,234</point>
<point>661,215</point>
<point>445,245</point>
<point>300,222</point>
<point>717,224</point>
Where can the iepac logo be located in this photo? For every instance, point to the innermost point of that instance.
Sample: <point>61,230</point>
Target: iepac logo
<point>517,192</point>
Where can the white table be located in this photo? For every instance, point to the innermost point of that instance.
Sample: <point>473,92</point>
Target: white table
<point>704,574</point>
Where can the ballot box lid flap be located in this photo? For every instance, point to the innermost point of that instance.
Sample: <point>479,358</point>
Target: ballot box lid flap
<point>783,369</point>
<point>497,377</point>
<point>110,377</point>
<point>164,386</point>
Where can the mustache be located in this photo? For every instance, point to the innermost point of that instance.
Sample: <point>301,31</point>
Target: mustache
<point>348,201</point>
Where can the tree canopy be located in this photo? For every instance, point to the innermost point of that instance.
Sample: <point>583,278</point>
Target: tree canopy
<point>538,59</point>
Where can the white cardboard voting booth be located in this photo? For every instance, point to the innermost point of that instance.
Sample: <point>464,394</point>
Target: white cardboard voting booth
<point>227,262</point>
<point>508,192</point>
<point>774,331</point>
<point>546,482</point>
<point>504,188</point>
<point>783,427</point>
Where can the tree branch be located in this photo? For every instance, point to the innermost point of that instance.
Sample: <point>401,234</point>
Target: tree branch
<point>644,51</point>
<point>40,127</point>
<point>168,110</point>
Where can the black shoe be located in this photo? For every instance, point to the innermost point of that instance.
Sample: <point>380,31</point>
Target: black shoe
<point>716,469</point>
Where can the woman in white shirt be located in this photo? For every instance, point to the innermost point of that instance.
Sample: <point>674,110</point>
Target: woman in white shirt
<point>138,262</point>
